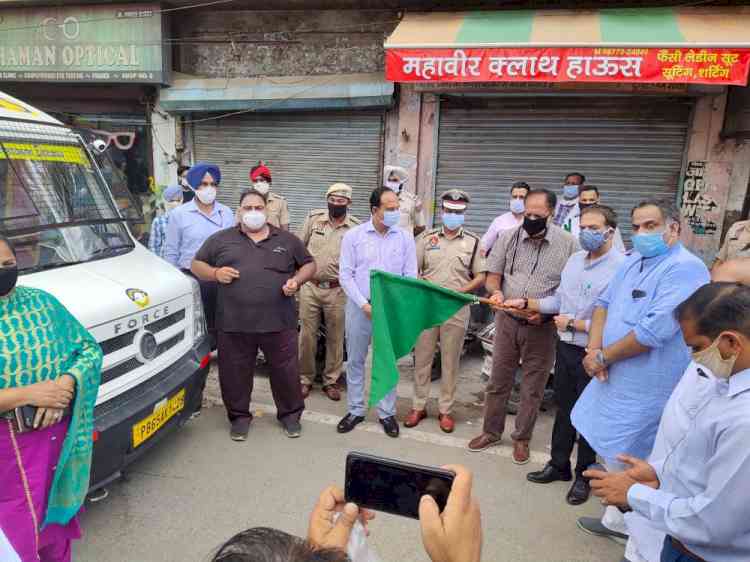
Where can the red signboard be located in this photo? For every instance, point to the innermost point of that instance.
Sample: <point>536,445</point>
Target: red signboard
<point>636,65</point>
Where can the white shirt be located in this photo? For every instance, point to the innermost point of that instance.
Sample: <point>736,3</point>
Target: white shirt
<point>702,458</point>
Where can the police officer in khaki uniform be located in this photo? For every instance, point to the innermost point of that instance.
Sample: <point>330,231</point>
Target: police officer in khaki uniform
<point>448,256</point>
<point>412,217</point>
<point>277,210</point>
<point>322,234</point>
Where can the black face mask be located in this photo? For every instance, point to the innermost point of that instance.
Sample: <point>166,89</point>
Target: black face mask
<point>534,226</point>
<point>582,206</point>
<point>8,279</point>
<point>187,195</point>
<point>336,211</point>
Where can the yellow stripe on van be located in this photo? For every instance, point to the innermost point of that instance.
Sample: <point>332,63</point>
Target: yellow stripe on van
<point>44,152</point>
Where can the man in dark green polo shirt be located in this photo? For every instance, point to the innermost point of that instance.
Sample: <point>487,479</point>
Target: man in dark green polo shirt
<point>259,269</point>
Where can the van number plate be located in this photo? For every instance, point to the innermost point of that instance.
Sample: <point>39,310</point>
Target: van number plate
<point>147,427</point>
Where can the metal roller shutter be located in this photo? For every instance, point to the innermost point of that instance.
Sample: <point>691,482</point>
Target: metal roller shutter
<point>631,148</point>
<point>306,153</point>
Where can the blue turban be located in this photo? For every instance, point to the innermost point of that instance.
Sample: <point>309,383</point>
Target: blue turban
<point>172,192</point>
<point>196,173</point>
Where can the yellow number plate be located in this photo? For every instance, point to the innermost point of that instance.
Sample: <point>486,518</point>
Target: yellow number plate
<point>145,428</point>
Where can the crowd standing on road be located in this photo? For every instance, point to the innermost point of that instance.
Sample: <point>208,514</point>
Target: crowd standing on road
<point>651,357</point>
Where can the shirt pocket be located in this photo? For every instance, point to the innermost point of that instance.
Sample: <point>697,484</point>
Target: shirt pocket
<point>280,262</point>
<point>635,309</point>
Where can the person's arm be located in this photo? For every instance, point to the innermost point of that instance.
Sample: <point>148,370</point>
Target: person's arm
<point>419,243</point>
<point>475,283</point>
<point>546,305</point>
<point>306,231</point>
<point>719,514</point>
<point>496,266</point>
<point>284,215</point>
<point>410,258</point>
<point>173,240</point>
<point>489,238</point>
<point>155,239</point>
<point>419,222</point>
<point>347,264</point>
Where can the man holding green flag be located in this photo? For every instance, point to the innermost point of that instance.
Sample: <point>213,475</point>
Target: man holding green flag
<point>379,244</point>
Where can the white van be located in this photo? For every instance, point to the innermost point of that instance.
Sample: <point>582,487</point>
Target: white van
<point>72,241</point>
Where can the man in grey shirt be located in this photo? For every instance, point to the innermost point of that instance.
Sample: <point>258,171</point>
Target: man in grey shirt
<point>585,277</point>
<point>525,263</point>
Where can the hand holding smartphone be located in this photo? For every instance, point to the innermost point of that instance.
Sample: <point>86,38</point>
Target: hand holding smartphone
<point>394,486</point>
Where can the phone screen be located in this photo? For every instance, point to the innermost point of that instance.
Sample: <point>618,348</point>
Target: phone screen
<point>394,486</point>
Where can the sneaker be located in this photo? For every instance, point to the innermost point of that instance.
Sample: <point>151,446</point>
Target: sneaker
<point>240,429</point>
<point>292,428</point>
<point>594,526</point>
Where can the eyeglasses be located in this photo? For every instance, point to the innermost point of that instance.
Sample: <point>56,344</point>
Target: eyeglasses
<point>123,141</point>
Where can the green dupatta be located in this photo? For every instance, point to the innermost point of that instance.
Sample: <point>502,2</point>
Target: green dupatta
<point>40,340</point>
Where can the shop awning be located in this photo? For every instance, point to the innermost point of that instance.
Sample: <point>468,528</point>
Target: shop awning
<point>693,45</point>
<point>344,91</point>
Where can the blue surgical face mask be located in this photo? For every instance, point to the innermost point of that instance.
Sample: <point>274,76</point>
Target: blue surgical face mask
<point>570,191</point>
<point>592,240</point>
<point>517,206</point>
<point>453,221</point>
<point>390,218</point>
<point>650,245</point>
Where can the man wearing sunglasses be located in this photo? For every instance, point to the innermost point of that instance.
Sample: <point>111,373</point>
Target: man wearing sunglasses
<point>192,223</point>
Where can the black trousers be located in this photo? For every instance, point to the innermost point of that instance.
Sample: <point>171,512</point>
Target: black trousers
<point>237,354</point>
<point>570,381</point>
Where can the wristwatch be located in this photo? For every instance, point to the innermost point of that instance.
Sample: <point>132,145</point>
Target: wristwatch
<point>571,326</point>
<point>600,358</point>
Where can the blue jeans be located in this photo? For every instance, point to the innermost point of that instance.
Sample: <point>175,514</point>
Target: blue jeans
<point>358,336</point>
<point>670,554</point>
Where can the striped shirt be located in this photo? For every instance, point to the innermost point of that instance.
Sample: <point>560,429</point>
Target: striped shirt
<point>530,267</point>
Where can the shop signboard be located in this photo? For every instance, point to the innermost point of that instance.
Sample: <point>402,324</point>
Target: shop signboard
<point>112,43</point>
<point>583,65</point>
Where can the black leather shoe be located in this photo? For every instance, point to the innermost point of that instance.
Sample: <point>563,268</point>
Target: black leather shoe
<point>390,425</point>
<point>579,492</point>
<point>348,423</point>
<point>549,474</point>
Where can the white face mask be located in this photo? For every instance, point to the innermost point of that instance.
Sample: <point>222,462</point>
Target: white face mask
<point>262,187</point>
<point>394,185</point>
<point>254,220</point>
<point>206,195</point>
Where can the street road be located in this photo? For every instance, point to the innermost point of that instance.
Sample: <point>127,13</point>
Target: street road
<point>199,488</point>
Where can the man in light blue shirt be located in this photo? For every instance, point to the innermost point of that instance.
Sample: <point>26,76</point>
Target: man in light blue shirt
<point>584,278</point>
<point>377,244</point>
<point>635,351</point>
<point>157,236</point>
<point>694,487</point>
<point>191,224</point>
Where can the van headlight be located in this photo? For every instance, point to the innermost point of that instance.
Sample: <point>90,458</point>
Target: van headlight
<point>199,317</point>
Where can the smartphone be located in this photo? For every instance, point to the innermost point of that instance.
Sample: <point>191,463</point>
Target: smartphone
<point>25,418</point>
<point>394,486</point>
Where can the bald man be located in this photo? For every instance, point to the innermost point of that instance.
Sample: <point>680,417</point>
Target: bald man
<point>736,270</point>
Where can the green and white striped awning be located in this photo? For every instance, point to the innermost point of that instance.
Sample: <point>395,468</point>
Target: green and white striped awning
<point>637,27</point>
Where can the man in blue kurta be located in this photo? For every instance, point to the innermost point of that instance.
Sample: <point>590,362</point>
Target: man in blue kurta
<point>636,353</point>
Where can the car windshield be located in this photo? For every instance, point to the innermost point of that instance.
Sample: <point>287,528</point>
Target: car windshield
<point>53,204</point>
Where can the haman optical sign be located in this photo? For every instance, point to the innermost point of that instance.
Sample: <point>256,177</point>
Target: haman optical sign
<point>118,43</point>
<point>637,65</point>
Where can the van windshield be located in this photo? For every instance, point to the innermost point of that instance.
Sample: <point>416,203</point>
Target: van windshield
<point>54,206</point>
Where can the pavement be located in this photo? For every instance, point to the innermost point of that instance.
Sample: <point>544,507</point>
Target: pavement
<point>196,490</point>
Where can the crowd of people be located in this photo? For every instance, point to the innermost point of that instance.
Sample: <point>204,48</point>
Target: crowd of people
<point>651,356</point>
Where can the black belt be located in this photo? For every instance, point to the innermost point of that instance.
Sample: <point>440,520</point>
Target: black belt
<point>683,549</point>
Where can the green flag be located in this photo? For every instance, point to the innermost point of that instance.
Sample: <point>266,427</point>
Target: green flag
<point>402,307</point>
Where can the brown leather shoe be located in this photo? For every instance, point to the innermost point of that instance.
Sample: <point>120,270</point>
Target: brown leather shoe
<point>520,452</point>
<point>483,442</point>
<point>414,417</point>
<point>333,392</point>
<point>447,423</point>
<point>306,388</point>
